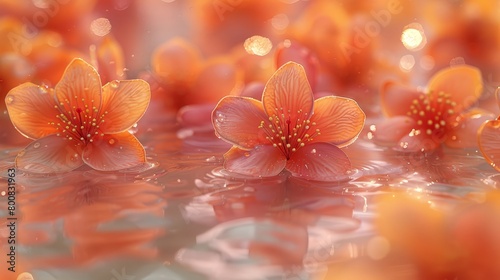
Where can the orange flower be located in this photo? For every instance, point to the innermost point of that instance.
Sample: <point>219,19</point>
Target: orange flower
<point>288,129</point>
<point>79,121</point>
<point>423,120</point>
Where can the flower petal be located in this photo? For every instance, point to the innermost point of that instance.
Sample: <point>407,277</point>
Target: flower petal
<point>463,83</point>
<point>396,98</point>
<point>109,59</point>
<point>464,134</point>
<point>287,95</point>
<point>489,139</point>
<point>237,119</point>
<point>114,152</point>
<point>416,142</point>
<point>263,160</point>
<point>50,154</point>
<point>338,119</point>
<point>31,110</point>
<point>319,161</point>
<point>391,130</point>
<point>123,104</point>
<point>79,90</point>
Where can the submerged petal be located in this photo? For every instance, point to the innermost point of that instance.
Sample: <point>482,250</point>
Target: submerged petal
<point>396,99</point>
<point>489,142</point>
<point>50,154</point>
<point>288,96</point>
<point>264,160</point>
<point>31,110</point>
<point>338,120</point>
<point>463,83</point>
<point>237,121</point>
<point>114,152</point>
<point>79,91</point>
<point>123,104</point>
<point>319,161</point>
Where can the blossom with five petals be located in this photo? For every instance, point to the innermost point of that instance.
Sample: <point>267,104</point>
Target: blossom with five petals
<point>288,129</point>
<point>79,121</point>
<point>422,120</point>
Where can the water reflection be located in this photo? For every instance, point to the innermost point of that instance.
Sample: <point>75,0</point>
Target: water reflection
<point>102,216</point>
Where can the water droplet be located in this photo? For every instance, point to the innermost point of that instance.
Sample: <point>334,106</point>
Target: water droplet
<point>74,157</point>
<point>36,145</point>
<point>43,90</point>
<point>112,141</point>
<point>313,151</point>
<point>10,99</point>
<point>28,166</point>
<point>114,84</point>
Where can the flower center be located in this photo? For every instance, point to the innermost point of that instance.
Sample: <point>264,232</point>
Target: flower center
<point>431,113</point>
<point>80,123</point>
<point>288,135</point>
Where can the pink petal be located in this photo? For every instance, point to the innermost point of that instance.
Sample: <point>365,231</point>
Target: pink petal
<point>79,90</point>
<point>50,154</point>
<point>287,95</point>
<point>264,161</point>
<point>31,110</point>
<point>237,120</point>
<point>319,161</point>
<point>489,142</point>
<point>338,119</point>
<point>391,130</point>
<point>463,83</point>
<point>123,104</point>
<point>417,142</point>
<point>397,99</point>
<point>114,152</point>
<point>464,134</point>
<point>195,115</point>
<point>253,90</point>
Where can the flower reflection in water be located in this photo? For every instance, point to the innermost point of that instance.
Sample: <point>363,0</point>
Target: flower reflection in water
<point>104,216</point>
<point>267,228</point>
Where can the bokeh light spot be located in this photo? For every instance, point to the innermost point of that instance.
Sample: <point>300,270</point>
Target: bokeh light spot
<point>258,45</point>
<point>413,37</point>
<point>407,62</point>
<point>100,27</point>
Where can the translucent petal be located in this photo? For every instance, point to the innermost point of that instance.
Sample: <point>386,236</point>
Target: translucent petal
<point>79,91</point>
<point>464,134</point>
<point>114,152</point>
<point>31,110</point>
<point>264,160</point>
<point>287,96</point>
<point>463,83</point>
<point>391,130</point>
<point>123,104</point>
<point>489,142</point>
<point>50,154</point>
<point>237,120</point>
<point>319,161</point>
<point>339,120</point>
